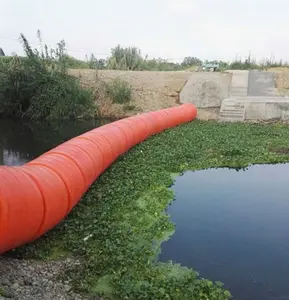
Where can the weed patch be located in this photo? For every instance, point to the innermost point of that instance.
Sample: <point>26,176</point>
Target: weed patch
<point>119,91</point>
<point>38,86</point>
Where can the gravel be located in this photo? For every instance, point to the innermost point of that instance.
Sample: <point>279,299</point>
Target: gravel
<point>34,280</point>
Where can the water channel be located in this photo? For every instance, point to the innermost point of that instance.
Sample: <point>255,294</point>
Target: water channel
<point>233,226</point>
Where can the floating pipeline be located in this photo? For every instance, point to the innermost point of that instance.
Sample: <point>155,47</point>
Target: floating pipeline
<point>37,196</point>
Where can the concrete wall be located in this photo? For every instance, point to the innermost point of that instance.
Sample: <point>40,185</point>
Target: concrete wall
<point>264,108</point>
<point>267,109</point>
<point>239,83</point>
<point>206,89</point>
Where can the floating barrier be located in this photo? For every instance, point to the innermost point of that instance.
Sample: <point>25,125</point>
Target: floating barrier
<point>37,196</point>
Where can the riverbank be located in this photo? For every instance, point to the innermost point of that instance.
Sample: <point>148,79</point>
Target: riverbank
<point>115,231</point>
<point>151,90</point>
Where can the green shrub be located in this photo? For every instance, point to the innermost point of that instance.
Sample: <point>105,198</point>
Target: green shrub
<point>125,58</point>
<point>119,90</point>
<point>39,87</point>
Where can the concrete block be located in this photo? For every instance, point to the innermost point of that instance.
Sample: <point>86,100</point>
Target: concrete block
<point>260,108</point>
<point>206,90</point>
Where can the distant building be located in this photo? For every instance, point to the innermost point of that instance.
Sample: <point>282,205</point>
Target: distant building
<point>2,52</point>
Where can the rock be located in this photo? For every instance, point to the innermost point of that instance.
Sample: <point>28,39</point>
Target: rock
<point>27,281</point>
<point>21,281</point>
<point>67,288</point>
<point>15,286</point>
<point>30,280</point>
<point>6,281</point>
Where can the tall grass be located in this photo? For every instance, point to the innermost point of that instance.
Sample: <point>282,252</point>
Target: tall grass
<point>131,59</point>
<point>38,86</point>
<point>119,91</point>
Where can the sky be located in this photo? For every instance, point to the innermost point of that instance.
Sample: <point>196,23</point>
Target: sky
<point>171,29</point>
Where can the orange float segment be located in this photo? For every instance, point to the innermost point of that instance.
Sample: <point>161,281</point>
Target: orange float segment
<point>151,122</point>
<point>35,197</point>
<point>21,208</point>
<point>92,150</point>
<point>189,112</point>
<point>54,195</point>
<point>174,116</point>
<point>134,128</point>
<point>148,123</point>
<point>139,128</point>
<point>142,125</point>
<point>127,130</point>
<point>103,145</point>
<point>116,144</point>
<point>68,171</point>
<point>116,137</point>
<point>83,161</point>
<point>160,123</point>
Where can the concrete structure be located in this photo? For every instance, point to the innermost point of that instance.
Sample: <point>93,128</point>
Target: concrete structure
<point>255,108</point>
<point>261,83</point>
<point>206,90</point>
<point>241,95</point>
<point>239,83</point>
<point>232,110</point>
<point>258,102</point>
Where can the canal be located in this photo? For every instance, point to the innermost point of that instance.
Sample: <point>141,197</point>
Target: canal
<point>22,141</point>
<point>233,226</point>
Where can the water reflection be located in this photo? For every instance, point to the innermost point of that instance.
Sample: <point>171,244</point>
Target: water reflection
<point>234,227</point>
<point>22,141</point>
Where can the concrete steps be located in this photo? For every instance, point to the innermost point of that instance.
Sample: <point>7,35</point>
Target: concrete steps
<point>232,111</point>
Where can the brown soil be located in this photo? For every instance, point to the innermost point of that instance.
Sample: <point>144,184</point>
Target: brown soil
<point>208,113</point>
<point>282,83</point>
<point>151,90</point>
<point>284,151</point>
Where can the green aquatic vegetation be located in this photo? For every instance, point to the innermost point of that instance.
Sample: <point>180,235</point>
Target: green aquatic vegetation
<point>117,229</point>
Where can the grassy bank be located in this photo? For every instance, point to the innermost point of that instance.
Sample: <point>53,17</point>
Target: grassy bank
<point>117,228</point>
<point>38,86</point>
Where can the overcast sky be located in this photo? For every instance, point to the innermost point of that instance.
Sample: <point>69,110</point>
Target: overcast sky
<point>173,29</point>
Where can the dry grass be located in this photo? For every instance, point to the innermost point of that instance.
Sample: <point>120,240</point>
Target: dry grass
<point>151,90</point>
<point>278,69</point>
<point>282,82</point>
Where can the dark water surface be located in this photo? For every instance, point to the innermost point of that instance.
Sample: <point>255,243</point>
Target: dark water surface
<point>234,227</point>
<point>22,141</point>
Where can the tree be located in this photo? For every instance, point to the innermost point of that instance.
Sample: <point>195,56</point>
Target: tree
<point>125,58</point>
<point>95,63</point>
<point>191,61</point>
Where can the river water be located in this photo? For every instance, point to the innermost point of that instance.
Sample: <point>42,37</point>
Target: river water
<point>22,141</point>
<point>233,226</point>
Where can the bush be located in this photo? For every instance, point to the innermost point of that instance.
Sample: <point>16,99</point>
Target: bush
<point>119,90</point>
<point>125,58</point>
<point>39,87</point>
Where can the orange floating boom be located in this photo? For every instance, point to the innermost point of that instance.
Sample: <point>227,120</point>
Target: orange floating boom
<point>37,196</point>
